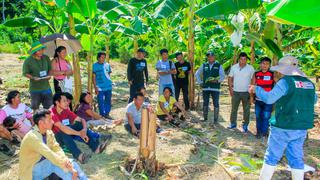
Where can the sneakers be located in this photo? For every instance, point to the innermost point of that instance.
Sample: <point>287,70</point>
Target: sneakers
<point>245,128</point>
<point>232,126</point>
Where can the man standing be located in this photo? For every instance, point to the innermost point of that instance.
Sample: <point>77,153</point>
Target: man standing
<point>239,80</point>
<point>137,69</point>
<point>294,97</point>
<point>165,69</point>
<point>103,84</point>
<point>263,78</point>
<point>182,79</point>
<point>37,68</point>
<point>41,155</point>
<point>213,74</point>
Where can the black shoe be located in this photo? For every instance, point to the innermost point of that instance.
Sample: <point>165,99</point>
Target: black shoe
<point>108,117</point>
<point>105,137</point>
<point>15,141</point>
<point>5,150</point>
<point>175,123</point>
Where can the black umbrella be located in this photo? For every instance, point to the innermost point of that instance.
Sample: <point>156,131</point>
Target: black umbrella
<point>55,40</point>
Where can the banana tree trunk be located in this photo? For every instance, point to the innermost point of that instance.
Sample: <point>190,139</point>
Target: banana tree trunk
<point>76,65</point>
<point>252,53</point>
<point>89,66</point>
<point>235,55</point>
<point>191,53</point>
<point>107,49</point>
<point>3,15</point>
<point>135,44</point>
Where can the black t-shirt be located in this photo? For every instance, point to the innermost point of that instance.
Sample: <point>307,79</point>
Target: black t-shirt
<point>136,71</point>
<point>182,72</point>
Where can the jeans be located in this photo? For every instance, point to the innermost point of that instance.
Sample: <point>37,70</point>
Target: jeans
<point>133,90</point>
<point>206,97</point>
<point>44,98</point>
<point>90,133</point>
<point>43,169</point>
<point>104,102</point>
<point>263,114</point>
<point>290,141</point>
<point>184,87</point>
<point>68,140</point>
<point>238,97</point>
<point>162,86</point>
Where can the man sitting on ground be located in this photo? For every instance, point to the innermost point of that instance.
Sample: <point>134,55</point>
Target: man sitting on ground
<point>133,115</point>
<point>41,155</point>
<point>67,125</point>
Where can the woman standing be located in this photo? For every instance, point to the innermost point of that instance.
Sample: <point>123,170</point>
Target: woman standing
<point>61,69</point>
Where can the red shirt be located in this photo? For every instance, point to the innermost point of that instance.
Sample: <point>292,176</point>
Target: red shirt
<point>66,117</point>
<point>265,80</point>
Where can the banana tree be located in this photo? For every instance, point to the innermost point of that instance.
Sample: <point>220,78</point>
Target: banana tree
<point>90,23</point>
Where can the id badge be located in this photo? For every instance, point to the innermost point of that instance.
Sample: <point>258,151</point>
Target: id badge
<point>267,78</point>
<point>143,64</point>
<point>166,105</point>
<point>184,68</point>
<point>43,73</point>
<point>163,67</point>
<point>66,122</point>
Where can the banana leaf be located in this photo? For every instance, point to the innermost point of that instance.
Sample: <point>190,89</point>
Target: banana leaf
<point>301,12</point>
<point>168,7</point>
<point>226,7</point>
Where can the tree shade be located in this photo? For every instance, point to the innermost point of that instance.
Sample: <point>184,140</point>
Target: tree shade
<point>301,12</point>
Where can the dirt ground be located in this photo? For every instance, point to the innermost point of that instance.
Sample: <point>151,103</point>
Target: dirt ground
<point>239,154</point>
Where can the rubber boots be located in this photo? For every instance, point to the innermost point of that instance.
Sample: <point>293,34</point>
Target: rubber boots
<point>266,172</point>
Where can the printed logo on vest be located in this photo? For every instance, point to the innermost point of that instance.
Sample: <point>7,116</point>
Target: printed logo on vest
<point>303,85</point>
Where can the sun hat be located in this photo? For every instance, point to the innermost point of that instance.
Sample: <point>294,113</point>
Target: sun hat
<point>36,46</point>
<point>288,65</point>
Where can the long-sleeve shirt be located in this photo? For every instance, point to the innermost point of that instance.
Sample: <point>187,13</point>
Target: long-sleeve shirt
<point>199,77</point>
<point>137,70</point>
<point>33,149</point>
<point>279,90</point>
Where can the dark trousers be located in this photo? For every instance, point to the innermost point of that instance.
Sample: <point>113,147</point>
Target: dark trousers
<point>57,88</point>
<point>215,99</point>
<point>238,97</point>
<point>263,114</point>
<point>133,90</point>
<point>138,126</point>
<point>69,142</point>
<point>44,98</point>
<point>184,87</point>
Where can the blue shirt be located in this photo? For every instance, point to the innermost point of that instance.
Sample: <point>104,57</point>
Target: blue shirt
<point>164,66</point>
<point>102,72</point>
<point>279,90</point>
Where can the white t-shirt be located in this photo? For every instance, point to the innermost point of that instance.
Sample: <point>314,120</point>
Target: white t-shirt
<point>241,77</point>
<point>135,113</point>
<point>22,113</point>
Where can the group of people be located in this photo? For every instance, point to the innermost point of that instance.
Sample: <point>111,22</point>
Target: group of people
<point>46,135</point>
<point>284,89</point>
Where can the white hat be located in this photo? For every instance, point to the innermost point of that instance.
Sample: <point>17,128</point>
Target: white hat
<point>288,65</point>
